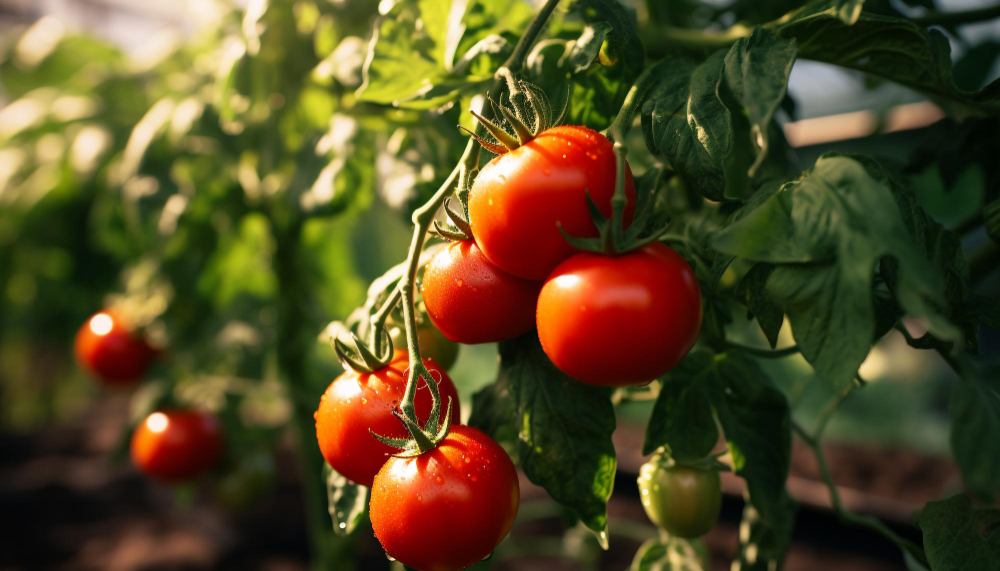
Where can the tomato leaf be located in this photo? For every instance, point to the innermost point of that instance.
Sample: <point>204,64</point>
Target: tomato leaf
<point>975,415</point>
<point>711,122</point>
<point>764,545</point>
<point>825,231</point>
<point>565,431</point>
<point>958,536</point>
<point>756,421</point>
<point>673,553</point>
<point>348,501</point>
<point>682,415</point>
<point>753,289</point>
<point>896,49</point>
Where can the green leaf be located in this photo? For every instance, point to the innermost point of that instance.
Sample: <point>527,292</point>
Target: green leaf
<point>711,122</point>
<point>756,421</point>
<point>565,431</point>
<point>682,415</point>
<point>896,49</point>
<point>347,501</point>
<point>670,554</point>
<point>416,56</point>
<point>753,289</point>
<point>975,428</point>
<point>764,542</point>
<point>825,232</point>
<point>958,537</point>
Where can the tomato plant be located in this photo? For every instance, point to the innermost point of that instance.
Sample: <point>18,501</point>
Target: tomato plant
<point>357,403</point>
<point>176,445</point>
<point>619,320</point>
<point>472,301</point>
<point>447,508</point>
<point>683,500</point>
<point>434,344</point>
<point>111,351</point>
<point>520,198</point>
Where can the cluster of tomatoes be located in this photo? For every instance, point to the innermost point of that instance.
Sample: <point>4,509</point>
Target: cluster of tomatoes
<point>602,319</point>
<point>174,445</point>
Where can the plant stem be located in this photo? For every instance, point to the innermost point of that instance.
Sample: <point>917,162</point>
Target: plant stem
<point>328,549</point>
<point>378,320</point>
<point>959,17</point>
<point>928,341</point>
<point>424,216</point>
<point>765,353</point>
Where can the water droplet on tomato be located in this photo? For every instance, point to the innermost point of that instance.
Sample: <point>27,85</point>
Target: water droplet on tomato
<point>439,479</point>
<point>364,400</point>
<point>467,459</point>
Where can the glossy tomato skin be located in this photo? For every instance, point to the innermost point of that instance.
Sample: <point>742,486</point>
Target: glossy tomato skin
<point>684,501</point>
<point>472,301</point>
<point>519,196</point>
<point>176,445</point>
<point>107,348</point>
<point>433,344</point>
<point>447,508</point>
<point>356,402</point>
<point>619,321</point>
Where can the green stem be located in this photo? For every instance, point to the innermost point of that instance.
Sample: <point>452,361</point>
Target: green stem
<point>328,549</point>
<point>845,515</point>
<point>378,320</point>
<point>959,17</point>
<point>766,353</point>
<point>424,216</point>
<point>928,341</point>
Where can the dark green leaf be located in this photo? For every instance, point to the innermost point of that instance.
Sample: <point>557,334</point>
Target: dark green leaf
<point>682,416</point>
<point>975,430</point>
<point>764,542</point>
<point>958,537</point>
<point>888,47</point>
<point>565,431</point>
<point>753,289</point>
<point>825,232</point>
<point>346,499</point>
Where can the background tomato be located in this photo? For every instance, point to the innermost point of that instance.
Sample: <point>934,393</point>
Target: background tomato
<point>110,350</point>
<point>472,301</point>
<point>447,508</point>
<point>356,403</point>
<point>684,501</point>
<point>623,320</point>
<point>518,197</point>
<point>176,445</point>
<point>433,344</point>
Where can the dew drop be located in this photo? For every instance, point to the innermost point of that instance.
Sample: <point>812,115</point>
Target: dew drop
<point>343,525</point>
<point>458,283</point>
<point>503,178</point>
<point>473,478</point>
<point>420,498</point>
<point>491,202</point>
<point>564,155</point>
<point>439,479</point>
<point>390,557</point>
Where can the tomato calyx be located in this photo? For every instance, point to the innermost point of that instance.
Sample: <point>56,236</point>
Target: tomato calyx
<point>459,229</point>
<point>527,112</point>
<point>358,356</point>
<point>422,438</point>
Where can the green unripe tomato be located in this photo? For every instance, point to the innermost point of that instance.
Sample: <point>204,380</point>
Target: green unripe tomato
<point>433,344</point>
<point>682,500</point>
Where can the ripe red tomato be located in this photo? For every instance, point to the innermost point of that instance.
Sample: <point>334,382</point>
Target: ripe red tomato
<point>109,350</point>
<point>356,402</point>
<point>619,321</point>
<point>447,508</point>
<point>518,197</point>
<point>176,445</point>
<point>472,301</point>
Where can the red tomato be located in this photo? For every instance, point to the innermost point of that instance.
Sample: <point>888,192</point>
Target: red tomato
<point>107,348</point>
<point>447,508</point>
<point>176,445</point>
<point>619,321</point>
<point>518,197</point>
<point>472,301</point>
<point>356,402</point>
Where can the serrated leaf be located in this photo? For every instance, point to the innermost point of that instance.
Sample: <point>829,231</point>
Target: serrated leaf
<point>825,232</point>
<point>764,542</point>
<point>892,48</point>
<point>711,122</point>
<point>958,537</point>
<point>671,554</point>
<point>753,289</point>
<point>346,499</point>
<point>565,431</point>
<point>975,429</point>
<point>682,415</point>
